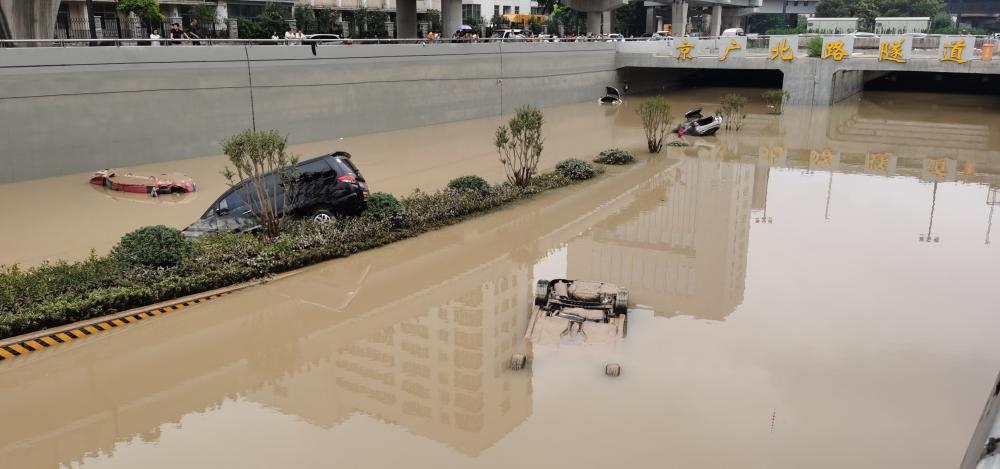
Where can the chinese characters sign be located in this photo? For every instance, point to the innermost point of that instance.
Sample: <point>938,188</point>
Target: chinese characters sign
<point>939,169</point>
<point>895,49</point>
<point>773,155</point>
<point>732,47</point>
<point>956,49</point>
<point>837,48</point>
<point>883,164</point>
<point>783,48</point>
<point>826,159</point>
<point>684,50</point>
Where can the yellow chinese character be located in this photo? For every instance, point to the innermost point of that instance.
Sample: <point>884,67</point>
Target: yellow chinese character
<point>821,160</point>
<point>783,50</point>
<point>892,51</point>
<point>733,45</point>
<point>684,51</point>
<point>878,162</point>
<point>836,50</point>
<point>938,167</point>
<point>953,51</point>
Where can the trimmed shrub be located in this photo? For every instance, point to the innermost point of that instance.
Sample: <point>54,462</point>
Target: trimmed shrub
<point>615,156</point>
<point>470,184</point>
<point>575,169</point>
<point>155,246</point>
<point>384,206</point>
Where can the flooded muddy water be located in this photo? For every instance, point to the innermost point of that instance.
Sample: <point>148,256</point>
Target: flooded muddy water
<point>817,290</point>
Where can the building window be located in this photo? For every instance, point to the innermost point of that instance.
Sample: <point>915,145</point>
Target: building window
<point>471,12</point>
<point>506,9</point>
<point>517,10</point>
<point>496,10</point>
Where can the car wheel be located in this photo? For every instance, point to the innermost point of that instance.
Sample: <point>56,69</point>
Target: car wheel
<point>517,361</point>
<point>323,216</point>
<point>542,292</point>
<point>613,370</point>
<point>621,302</point>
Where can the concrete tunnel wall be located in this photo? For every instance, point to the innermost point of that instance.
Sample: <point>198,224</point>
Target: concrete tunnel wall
<point>77,109</point>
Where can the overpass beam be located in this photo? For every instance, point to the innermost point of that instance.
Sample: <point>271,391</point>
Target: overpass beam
<point>678,18</point>
<point>451,17</point>
<point>716,21</point>
<point>406,19</point>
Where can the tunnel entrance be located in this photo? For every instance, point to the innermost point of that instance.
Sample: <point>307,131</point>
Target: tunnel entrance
<point>640,79</point>
<point>933,82</point>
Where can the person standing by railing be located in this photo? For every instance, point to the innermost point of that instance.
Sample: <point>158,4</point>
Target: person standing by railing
<point>193,33</point>
<point>154,38</point>
<point>176,34</point>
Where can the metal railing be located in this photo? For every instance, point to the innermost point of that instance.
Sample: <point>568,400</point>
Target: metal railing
<point>704,47</point>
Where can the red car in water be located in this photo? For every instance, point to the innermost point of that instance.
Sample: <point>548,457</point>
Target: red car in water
<point>119,179</point>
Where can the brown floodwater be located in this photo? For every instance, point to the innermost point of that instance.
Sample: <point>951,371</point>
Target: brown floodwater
<point>816,290</point>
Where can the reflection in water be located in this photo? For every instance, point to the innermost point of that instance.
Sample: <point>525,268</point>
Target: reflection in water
<point>683,246</point>
<point>766,289</point>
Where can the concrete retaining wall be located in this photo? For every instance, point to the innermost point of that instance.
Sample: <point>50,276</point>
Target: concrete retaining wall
<point>76,109</point>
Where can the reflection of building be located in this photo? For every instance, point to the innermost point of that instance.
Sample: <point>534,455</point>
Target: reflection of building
<point>441,374</point>
<point>683,247</point>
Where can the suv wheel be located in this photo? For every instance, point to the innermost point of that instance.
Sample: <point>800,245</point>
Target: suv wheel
<point>323,216</point>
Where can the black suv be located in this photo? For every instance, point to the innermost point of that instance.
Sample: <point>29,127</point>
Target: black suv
<point>327,186</point>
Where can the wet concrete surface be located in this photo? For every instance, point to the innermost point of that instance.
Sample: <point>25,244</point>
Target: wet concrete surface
<point>788,313</point>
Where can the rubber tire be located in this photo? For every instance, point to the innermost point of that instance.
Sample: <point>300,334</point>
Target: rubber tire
<point>330,216</point>
<point>613,370</point>
<point>541,292</point>
<point>517,361</point>
<point>621,302</point>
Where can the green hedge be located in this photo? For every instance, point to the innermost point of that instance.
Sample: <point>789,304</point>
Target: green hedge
<point>615,156</point>
<point>55,294</point>
<point>575,169</point>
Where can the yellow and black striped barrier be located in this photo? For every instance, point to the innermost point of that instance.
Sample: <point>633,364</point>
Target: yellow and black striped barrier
<point>43,340</point>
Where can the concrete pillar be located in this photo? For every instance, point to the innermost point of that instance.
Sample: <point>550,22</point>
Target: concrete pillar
<point>451,17</point>
<point>406,19</point>
<point>716,21</point>
<point>28,19</point>
<point>678,18</point>
<point>659,23</point>
<point>650,20</point>
<point>594,22</point>
<point>221,14</point>
<point>608,18</point>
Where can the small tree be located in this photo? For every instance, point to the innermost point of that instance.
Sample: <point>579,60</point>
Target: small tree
<point>655,114</point>
<point>433,17</point>
<point>142,8</point>
<point>520,145</point>
<point>305,19</point>
<point>774,99</point>
<point>732,110</point>
<point>268,170</point>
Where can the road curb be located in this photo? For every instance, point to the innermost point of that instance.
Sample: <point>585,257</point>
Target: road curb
<point>22,345</point>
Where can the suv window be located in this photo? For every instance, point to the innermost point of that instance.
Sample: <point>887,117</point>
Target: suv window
<point>313,170</point>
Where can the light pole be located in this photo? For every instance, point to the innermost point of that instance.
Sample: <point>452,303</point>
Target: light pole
<point>992,199</point>
<point>930,225</point>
